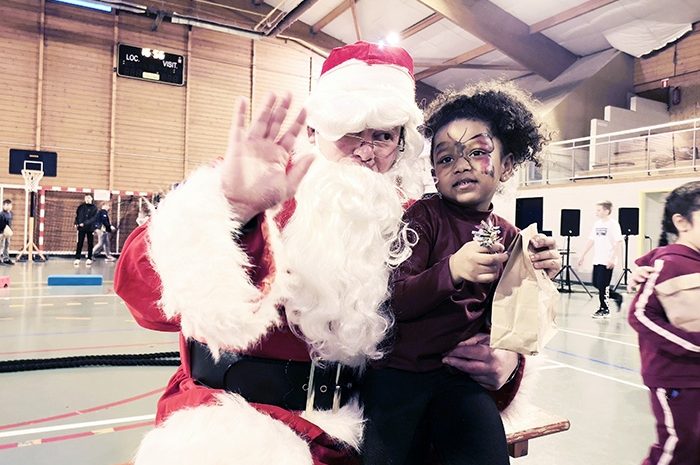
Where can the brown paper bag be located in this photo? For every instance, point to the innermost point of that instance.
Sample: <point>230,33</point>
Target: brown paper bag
<point>524,306</point>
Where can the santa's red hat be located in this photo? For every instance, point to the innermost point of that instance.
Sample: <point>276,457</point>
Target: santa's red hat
<point>363,85</point>
<point>369,53</point>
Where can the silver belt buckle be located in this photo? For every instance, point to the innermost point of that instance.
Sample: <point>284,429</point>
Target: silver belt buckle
<point>336,392</point>
<point>311,392</point>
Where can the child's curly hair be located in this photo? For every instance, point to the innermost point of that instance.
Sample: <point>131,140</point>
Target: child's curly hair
<point>506,109</point>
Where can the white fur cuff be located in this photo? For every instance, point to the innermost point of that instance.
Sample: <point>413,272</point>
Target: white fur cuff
<point>229,432</point>
<point>203,270</point>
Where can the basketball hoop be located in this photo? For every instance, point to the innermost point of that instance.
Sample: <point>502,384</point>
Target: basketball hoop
<point>32,179</point>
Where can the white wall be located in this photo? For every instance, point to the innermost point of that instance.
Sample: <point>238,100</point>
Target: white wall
<point>584,197</point>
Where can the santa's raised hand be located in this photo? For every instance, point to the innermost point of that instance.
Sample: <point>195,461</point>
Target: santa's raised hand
<point>255,175</point>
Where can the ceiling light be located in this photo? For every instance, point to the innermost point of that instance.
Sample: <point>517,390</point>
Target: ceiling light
<point>393,38</point>
<point>88,4</point>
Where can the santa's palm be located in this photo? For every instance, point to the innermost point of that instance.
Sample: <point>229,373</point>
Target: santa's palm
<point>255,175</point>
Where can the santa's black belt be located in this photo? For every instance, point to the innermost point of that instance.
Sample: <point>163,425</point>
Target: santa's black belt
<point>284,383</point>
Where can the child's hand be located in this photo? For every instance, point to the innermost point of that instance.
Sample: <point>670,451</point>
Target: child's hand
<point>477,264</point>
<point>639,277</point>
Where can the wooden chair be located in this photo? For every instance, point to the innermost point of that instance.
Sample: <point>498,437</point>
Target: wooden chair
<point>534,424</point>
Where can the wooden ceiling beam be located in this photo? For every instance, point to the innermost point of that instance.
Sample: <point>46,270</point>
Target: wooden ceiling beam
<point>569,14</point>
<point>536,52</point>
<point>297,31</point>
<point>420,25</point>
<point>489,67</point>
<point>291,17</point>
<point>355,19</point>
<point>458,60</point>
<point>335,12</point>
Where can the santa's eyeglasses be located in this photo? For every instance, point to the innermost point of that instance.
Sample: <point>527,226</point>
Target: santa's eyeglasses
<point>383,143</point>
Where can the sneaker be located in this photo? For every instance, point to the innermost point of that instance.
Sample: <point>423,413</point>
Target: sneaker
<point>601,313</point>
<point>110,259</point>
<point>7,261</point>
<point>76,262</point>
<point>618,301</point>
<point>88,262</point>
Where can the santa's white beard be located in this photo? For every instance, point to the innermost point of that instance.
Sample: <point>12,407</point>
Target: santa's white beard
<point>338,250</point>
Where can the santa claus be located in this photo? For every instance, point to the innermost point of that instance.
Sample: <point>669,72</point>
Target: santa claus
<point>274,267</point>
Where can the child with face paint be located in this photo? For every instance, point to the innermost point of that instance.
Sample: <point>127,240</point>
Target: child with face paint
<point>415,400</point>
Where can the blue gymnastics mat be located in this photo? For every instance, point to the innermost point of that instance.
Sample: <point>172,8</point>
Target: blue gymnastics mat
<point>75,280</point>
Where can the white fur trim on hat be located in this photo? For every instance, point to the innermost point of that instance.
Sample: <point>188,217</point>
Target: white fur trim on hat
<point>230,432</point>
<point>355,95</point>
<point>203,270</point>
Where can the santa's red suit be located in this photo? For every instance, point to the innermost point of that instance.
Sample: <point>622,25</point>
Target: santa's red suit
<point>234,292</point>
<point>140,286</point>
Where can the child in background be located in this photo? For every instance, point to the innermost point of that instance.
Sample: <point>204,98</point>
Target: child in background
<point>104,231</point>
<point>6,231</point>
<point>606,241</point>
<point>441,292</point>
<point>665,313</point>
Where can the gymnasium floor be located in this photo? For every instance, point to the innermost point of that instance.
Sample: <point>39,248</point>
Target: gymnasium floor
<point>97,415</point>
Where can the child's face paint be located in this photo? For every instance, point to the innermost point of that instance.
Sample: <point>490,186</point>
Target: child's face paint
<point>469,163</point>
<point>476,150</point>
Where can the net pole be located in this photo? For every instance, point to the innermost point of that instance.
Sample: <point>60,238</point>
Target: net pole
<point>31,186</point>
<point>119,217</point>
<point>42,215</point>
<point>26,217</point>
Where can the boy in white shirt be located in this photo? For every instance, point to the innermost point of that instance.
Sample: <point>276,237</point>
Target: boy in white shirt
<point>606,240</point>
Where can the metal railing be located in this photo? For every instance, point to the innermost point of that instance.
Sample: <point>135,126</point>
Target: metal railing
<point>640,152</point>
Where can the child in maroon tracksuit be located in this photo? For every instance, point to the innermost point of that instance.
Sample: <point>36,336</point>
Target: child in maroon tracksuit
<point>666,315</point>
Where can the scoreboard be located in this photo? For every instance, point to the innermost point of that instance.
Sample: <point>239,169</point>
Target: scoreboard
<point>150,65</point>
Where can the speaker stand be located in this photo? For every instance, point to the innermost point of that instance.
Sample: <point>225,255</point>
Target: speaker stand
<point>623,276</point>
<point>564,275</point>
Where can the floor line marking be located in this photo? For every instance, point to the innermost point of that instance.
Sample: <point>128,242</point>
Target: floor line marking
<point>594,360</point>
<point>628,334</point>
<point>83,411</point>
<point>68,437</point>
<point>66,349</point>
<point>73,317</point>
<point>100,303</point>
<point>61,333</point>
<point>69,426</point>
<point>74,303</point>
<point>598,337</point>
<point>16,305</point>
<point>600,375</point>
<point>46,305</point>
<point>73,296</point>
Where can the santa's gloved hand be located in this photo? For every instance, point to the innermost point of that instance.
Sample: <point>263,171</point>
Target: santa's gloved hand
<point>255,175</point>
<point>491,368</point>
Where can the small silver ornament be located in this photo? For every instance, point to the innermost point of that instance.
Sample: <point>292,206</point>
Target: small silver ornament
<point>487,235</point>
